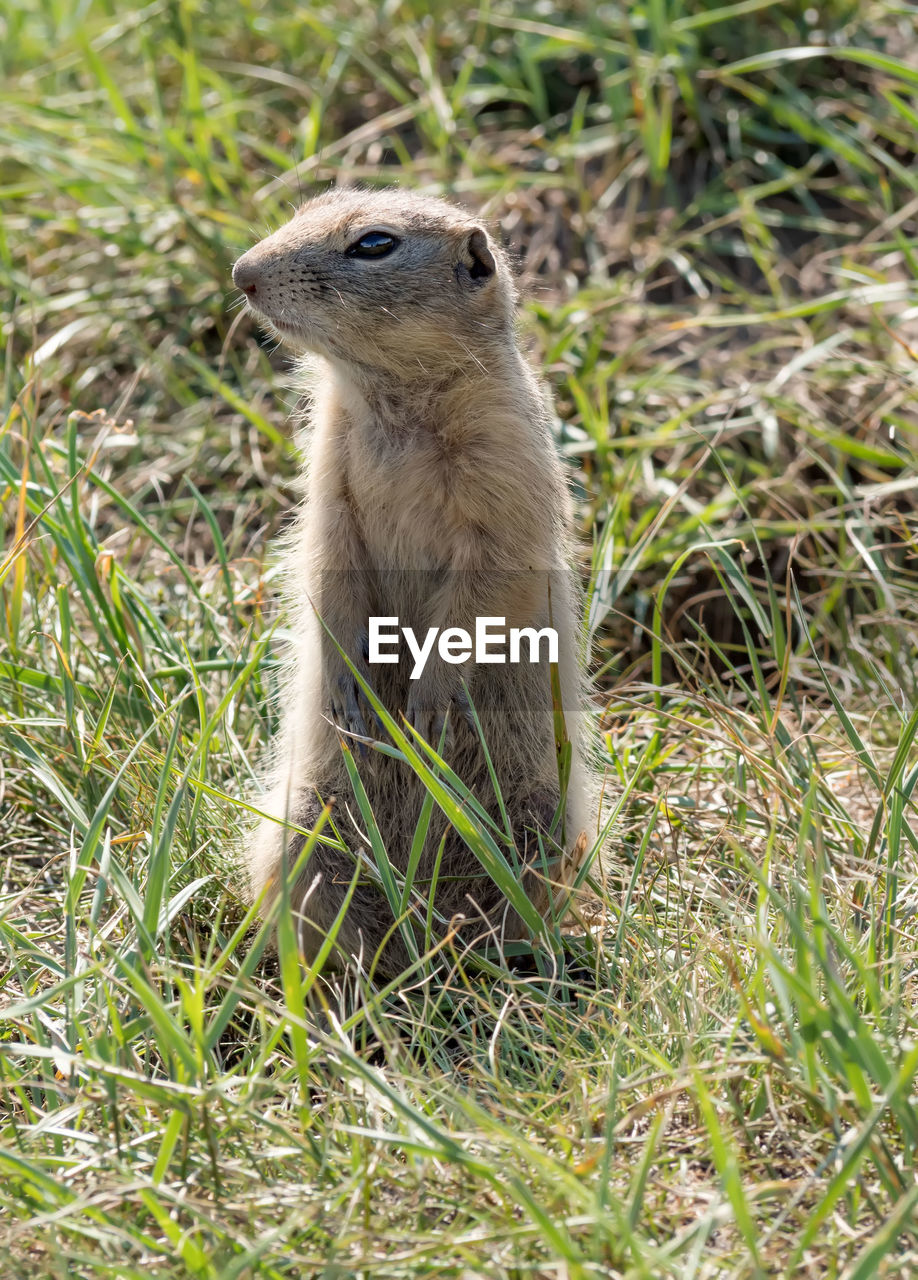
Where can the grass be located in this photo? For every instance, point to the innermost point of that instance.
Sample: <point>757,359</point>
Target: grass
<point>715,210</point>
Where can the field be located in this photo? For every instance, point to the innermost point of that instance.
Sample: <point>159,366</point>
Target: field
<point>715,214</point>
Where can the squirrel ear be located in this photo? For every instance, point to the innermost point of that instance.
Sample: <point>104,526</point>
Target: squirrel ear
<point>477,264</point>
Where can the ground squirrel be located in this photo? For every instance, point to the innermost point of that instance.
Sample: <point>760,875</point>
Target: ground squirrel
<point>434,496</point>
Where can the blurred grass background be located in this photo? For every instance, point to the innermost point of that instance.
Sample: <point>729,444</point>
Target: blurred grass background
<point>715,212</point>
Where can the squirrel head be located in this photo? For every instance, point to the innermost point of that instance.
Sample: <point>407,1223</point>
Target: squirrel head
<point>388,280</point>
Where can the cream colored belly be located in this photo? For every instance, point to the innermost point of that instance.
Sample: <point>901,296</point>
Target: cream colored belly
<point>404,510</point>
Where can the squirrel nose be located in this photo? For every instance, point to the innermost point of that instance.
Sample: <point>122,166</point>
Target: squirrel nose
<point>245,276</point>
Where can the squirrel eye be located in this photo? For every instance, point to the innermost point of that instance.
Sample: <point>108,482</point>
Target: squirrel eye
<point>375,244</point>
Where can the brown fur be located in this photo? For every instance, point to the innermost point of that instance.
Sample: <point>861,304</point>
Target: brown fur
<point>433,493</point>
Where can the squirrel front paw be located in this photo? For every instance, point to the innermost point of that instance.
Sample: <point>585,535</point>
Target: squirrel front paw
<point>438,689</point>
<point>346,704</point>
<point>343,706</point>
